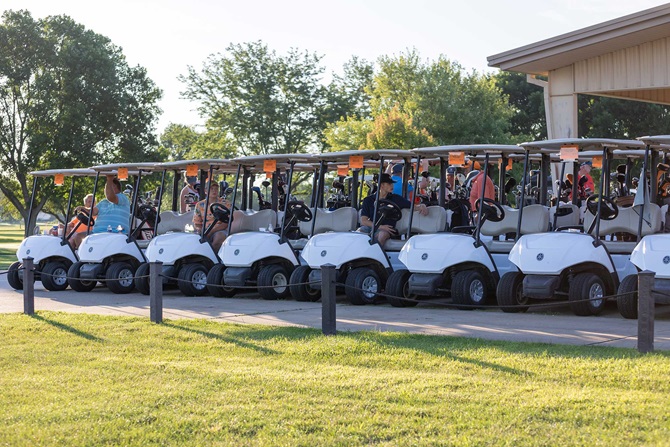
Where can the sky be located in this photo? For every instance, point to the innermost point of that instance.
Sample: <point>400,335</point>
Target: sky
<point>168,36</point>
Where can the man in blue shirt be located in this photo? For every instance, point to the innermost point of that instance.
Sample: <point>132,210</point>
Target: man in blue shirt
<point>397,178</point>
<point>386,228</point>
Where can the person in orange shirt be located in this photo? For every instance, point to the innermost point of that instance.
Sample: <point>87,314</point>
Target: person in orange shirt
<point>476,189</point>
<point>88,202</point>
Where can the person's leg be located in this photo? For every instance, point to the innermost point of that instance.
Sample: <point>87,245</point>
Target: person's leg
<point>76,239</point>
<point>382,236</point>
<point>217,240</point>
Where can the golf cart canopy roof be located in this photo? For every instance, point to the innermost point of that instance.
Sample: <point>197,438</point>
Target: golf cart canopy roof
<point>585,144</point>
<point>470,149</point>
<point>287,158</point>
<point>150,166</point>
<point>616,154</point>
<point>656,140</point>
<point>219,164</point>
<point>78,172</point>
<point>368,154</point>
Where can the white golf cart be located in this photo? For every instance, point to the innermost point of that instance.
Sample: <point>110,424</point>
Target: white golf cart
<point>361,263</point>
<point>52,255</point>
<point>583,263</point>
<point>467,262</point>
<point>187,257</point>
<point>113,256</point>
<point>253,254</point>
<point>652,253</point>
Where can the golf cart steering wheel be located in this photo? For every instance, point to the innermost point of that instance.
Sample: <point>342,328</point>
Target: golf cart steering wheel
<point>389,209</point>
<point>492,210</point>
<point>608,209</point>
<point>220,212</point>
<point>148,213</point>
<point>300,211</point>
<point>83,215</point>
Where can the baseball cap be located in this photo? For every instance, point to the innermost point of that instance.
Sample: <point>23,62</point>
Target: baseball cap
<point>451,170</point>
<point>586,163</point>
<point>398,168</point>
<point>385,178</point>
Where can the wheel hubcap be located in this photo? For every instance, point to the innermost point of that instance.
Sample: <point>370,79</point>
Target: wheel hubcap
<point>369,286</point>
<point>279,282</point>
<point>199,280</point>
<point>60,277</point>
<point>476,291</point>
<point>596,291</point>
<point>126,278</point>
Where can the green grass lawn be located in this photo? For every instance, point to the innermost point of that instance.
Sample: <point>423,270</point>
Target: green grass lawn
<point>75,379</point>
<point>10,239</point>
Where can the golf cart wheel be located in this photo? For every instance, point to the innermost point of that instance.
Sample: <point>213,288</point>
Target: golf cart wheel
<point>215,284</point>
<point>587,286</point>
<point>192,280</point>
<point>77,284</point>
<point>120,277</point>
<point>142,278</point>
<point>626,302</point>
<point>470,288</point>
<point>510,293</point>
<point>299,290</point>
<point>362,286</point>
<point>273,281</point>
<point>397,287</point>
<point>15,276</point>
<point>54,276</point>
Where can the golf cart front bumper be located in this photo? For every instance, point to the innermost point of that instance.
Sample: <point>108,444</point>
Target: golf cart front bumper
<point>540,286</point>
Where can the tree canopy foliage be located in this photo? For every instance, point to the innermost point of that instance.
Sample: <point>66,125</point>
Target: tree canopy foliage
<point>68,98</point>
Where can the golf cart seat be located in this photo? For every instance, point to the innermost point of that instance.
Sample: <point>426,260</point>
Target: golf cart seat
<point>340,220</point>
<point>251,220</point>
<point>627,222</point>
<point>535,220</point>
<point>434,222</point>
<point>569,215</point>
<point>173,221</point>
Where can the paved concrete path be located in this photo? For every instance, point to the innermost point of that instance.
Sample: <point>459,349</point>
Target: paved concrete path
<point>555,325</point>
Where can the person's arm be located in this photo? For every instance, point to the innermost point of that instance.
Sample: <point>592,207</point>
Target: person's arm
<point>182,200</point>
<point>110,194</point>
<point>197,218</point>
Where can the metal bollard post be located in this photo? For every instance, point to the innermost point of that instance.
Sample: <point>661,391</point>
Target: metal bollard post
<point>645,312</point>
<point>328,297</point>
<point>156,292</point>
<point>28,286</point>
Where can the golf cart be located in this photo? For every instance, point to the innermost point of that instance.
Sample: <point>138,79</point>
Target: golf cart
<point>253,254</point>
<point>467,262</point>
<point>113,256</point>
<point>52,255</point>
<point>580,263</point>
<point>652,253</point>
<point>361,262</point>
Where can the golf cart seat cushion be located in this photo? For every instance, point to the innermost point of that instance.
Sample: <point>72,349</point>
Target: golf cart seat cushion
<point>570,219</point>
<point>535,220</point>
<point>434,222</point>
<point>341,220</point>
<point>252,220</point>
<point>173,221</point>
<point>627,221</point>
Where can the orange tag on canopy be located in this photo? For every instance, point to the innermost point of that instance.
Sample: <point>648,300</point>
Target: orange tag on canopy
<point>509,165</point>
<point>192,170</point>
<point>122,173</point>
<point>269,165</point>
<point>59,179</point>
<point>356,161</point>
<point>268,176</point>
<point>569,153</point>
<point>597,161</point>
<point>457,158</point>
<point>342,170</point>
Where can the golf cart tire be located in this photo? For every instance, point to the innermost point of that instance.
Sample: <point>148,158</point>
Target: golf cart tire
<point>465,286</point>
<point>356,280</point>
<point>15,276</point>
<point>142,278</point>
<point>120,277</point>
<point>510,293</point>
<point>77,284</point>
<point>267,276</point>
<point>54,276</point>
<point>301,291</point>
<point>626,302</point>
<point>397,287</point>
<point>580,289</point>
<point>189,274</point>
<point>215,283</point>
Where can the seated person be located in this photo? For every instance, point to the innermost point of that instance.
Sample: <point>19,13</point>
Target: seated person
<point>220,230</point>
<point>387,226</point>
<point>112,212</point>
<point>88,202</point>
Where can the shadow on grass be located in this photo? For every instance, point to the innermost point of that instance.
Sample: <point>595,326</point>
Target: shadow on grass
<point>67,328</point>
<point>220,337</point>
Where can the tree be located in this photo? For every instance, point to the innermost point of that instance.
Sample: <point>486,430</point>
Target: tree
<point>67,99</point>
<point>266,103</point>
<point>528,122</point>
<point>394,129</point>
<point>620,118</point>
